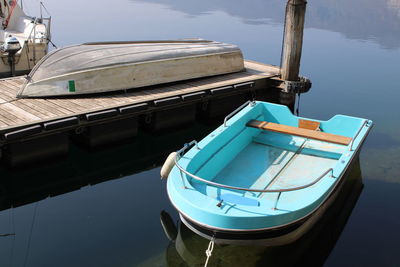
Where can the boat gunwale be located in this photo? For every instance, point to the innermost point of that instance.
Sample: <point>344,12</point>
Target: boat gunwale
<point>178,41</point>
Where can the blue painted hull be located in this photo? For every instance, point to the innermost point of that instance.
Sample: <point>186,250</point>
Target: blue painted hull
<point>237,156</point>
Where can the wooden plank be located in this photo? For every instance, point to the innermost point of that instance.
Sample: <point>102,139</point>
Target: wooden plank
<point>3,124</point>
<point>32,111</point>
<point>67,104</point>
<point>165,92</point>
<point>24,104</point>
<point>85,103</point>
<point>9,117</point>
<point>18,81</point>
<point>227,78</point>
<point>57,105</point>
<point>261,67</point>
<point>38,106</point>
<point>2,100</point>
<point>47,106</point>
<point>216,82</point>
<point>103,100</point>
<point>307,124</point>
<point>138,96</point>
<point>317,135</point>
<point>94,102</point>
<point>109,100</point>
<point>7,93</point>
<point>19,112</point>
<point>14,86</point>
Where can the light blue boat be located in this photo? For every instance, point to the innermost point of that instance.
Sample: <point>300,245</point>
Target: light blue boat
<point>263,173</point>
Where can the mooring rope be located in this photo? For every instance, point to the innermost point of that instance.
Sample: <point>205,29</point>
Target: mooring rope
<point>30,234</point>
<point>298,105</point>
<point>209,250</point>
<point>13,241</point>
<point>51,42</point>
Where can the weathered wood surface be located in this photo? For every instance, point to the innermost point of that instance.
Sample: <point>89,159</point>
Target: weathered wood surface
<point>307,124</point>
<point>312,134</point>
<point>15,112</point>
<point>293,39</point>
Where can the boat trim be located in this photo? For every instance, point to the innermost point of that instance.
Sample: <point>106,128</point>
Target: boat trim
<point>189,41</point>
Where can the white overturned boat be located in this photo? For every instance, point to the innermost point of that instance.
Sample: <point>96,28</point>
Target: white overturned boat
<point>104,67</point>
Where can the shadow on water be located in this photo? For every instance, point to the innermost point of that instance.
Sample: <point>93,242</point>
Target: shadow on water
<point>87,167</point>
<point>311,249</point>
<point>381,140</point>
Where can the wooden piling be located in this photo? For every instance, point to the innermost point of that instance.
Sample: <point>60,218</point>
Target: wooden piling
<point>293,39</point>
<point>292,48</point>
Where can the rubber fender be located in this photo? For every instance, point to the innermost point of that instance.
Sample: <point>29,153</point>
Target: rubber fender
<point>168,165</point>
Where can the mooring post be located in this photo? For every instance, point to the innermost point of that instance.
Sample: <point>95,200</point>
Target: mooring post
<point>292,48</point>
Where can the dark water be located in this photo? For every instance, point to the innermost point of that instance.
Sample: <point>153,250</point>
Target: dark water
<point>104,206</point>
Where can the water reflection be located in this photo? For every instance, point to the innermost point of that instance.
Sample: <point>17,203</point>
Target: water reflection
<point>377,20</point>
<point>311,249</point>
<point>85,167</point>
<point>58,213</point>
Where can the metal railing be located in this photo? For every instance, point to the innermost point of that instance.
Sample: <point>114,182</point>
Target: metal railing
<point>366,123</point>
<point>237,110</point>
<point>182,170</point>
<point>32,35</point>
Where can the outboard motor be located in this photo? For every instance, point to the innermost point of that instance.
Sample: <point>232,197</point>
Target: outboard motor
<point>11,46</point>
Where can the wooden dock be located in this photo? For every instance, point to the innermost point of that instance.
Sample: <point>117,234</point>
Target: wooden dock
<point>31,118</point>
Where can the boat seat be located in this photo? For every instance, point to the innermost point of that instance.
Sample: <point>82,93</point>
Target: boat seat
<point>307,124</point>
<point>302,132</point>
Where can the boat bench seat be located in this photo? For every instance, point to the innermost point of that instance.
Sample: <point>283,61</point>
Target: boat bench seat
<point>302,132</point>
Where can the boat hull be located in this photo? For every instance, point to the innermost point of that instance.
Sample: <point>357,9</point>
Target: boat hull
<point>276,236</point>
<point>262,183</point>
<point>125,66</point>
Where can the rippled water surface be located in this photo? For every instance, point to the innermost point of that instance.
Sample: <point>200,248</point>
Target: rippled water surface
<point>102,208</point>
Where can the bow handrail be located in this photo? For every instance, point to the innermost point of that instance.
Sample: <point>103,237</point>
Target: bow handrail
<point>366,123</point>
<point>237,110</point>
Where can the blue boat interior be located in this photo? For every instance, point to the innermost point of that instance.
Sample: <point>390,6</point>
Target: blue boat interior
<point>247,157</point>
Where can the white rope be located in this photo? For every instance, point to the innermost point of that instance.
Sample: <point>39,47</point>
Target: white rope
<point>209,250</point>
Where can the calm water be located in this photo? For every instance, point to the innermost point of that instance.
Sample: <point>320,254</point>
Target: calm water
<point>104,206</point>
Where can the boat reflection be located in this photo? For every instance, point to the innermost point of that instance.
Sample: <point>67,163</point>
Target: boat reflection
<point>87,167</point>
<point>311,248</point>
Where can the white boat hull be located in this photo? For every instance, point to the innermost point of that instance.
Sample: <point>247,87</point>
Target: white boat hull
<point>25,60</point>
<point>138,68</point>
